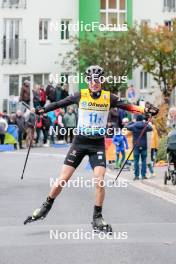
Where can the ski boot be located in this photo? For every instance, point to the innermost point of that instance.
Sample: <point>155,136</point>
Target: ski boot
<point>40,213</point>
<point>98,224</point>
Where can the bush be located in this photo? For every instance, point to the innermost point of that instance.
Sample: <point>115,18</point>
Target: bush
<point>162,153</point>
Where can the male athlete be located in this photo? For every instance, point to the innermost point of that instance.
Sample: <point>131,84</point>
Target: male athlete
<point>94,104</point>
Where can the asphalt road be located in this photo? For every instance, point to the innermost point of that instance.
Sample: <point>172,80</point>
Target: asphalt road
<point>144,225</point>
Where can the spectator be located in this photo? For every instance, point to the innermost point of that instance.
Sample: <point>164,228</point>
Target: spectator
<point>64,93</point>
<point>61,124</point>
<point>114,117</point>
<point>51,93</point>
<point>20,122</point>
<point>149,161</point>
<point>12,119</point>
<point>154,144</point>
<point>140,150</point>
<point>70,123</point>
<point>6,116</point>
<point>38,126</point>
<point>53,120</point>
<point>42,95</point>
<point>58,92</point>
<point>171,119</point>
<point>45,128</point>
<point>120,142</point>
<point>36,96</point>
<point>30,125</point>
<point>110,130</point>
<point>3,128</point>
<point>25,92</point>
<point>129,137</point>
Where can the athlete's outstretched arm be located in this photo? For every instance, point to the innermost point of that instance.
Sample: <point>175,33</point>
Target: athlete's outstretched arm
<point>69,100</point>
<point>115,102</point>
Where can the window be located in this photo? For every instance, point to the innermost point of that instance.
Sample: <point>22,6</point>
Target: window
<point>169,5</point>
<point>65,34</point>
<point>143,80</point>
<point>43,29</point>
<point>13,45</point>
<point>13,3</point>
<point>46,79</point>
<point>113,12</point>
<point>103,4</point>
<point>14,85</point>
<point>38,79</point>
<point>41,79</point>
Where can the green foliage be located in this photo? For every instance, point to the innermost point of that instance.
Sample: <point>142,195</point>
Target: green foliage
<point>156,52</point>
<point>114,52</point>
<point>162,154</point>
<point>152,48</point>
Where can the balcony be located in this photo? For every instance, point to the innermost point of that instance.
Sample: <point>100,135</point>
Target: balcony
<point>13,51</point>
<point>13,4</point>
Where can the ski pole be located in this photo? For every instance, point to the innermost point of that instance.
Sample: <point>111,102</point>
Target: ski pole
<point>137,143</point>
<point>29,148</point>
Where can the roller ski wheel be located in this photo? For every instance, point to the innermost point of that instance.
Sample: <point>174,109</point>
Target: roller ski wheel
<point>39,214</point>
<point>99,225</point>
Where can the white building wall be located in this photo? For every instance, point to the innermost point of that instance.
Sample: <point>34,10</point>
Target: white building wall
<point>41,56</point>
<point>152,11</point>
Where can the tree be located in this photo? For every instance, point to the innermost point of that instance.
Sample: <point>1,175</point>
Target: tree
<point>156,52</point>
<point>114,52</point>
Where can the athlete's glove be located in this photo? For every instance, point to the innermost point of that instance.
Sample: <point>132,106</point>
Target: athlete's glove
<point>39,110</point>
<point>150,110</point>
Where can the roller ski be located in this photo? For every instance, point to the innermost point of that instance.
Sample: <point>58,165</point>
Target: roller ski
<point>99,225</point>
<point>40,213</point>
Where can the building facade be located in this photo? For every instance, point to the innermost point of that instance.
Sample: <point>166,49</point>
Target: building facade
<point>35,35</point>
<point>32,44</point>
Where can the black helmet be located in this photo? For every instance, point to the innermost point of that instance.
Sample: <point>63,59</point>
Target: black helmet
<point>94,72</point>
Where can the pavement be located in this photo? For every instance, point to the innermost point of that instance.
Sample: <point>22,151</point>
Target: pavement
<point>154,184</point>
<point>144,224</point>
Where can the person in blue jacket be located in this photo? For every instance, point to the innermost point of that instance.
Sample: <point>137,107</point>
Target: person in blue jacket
<point>120,142</point>
<point>140,150</point>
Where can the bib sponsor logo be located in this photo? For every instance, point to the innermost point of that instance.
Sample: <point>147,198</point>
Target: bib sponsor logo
<point>98,105</point>
<point>84,104</point>
<point>94,105</point>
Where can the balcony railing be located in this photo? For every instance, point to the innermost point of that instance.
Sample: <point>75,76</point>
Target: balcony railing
<point>13,3</point>
<point>13,51</point>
